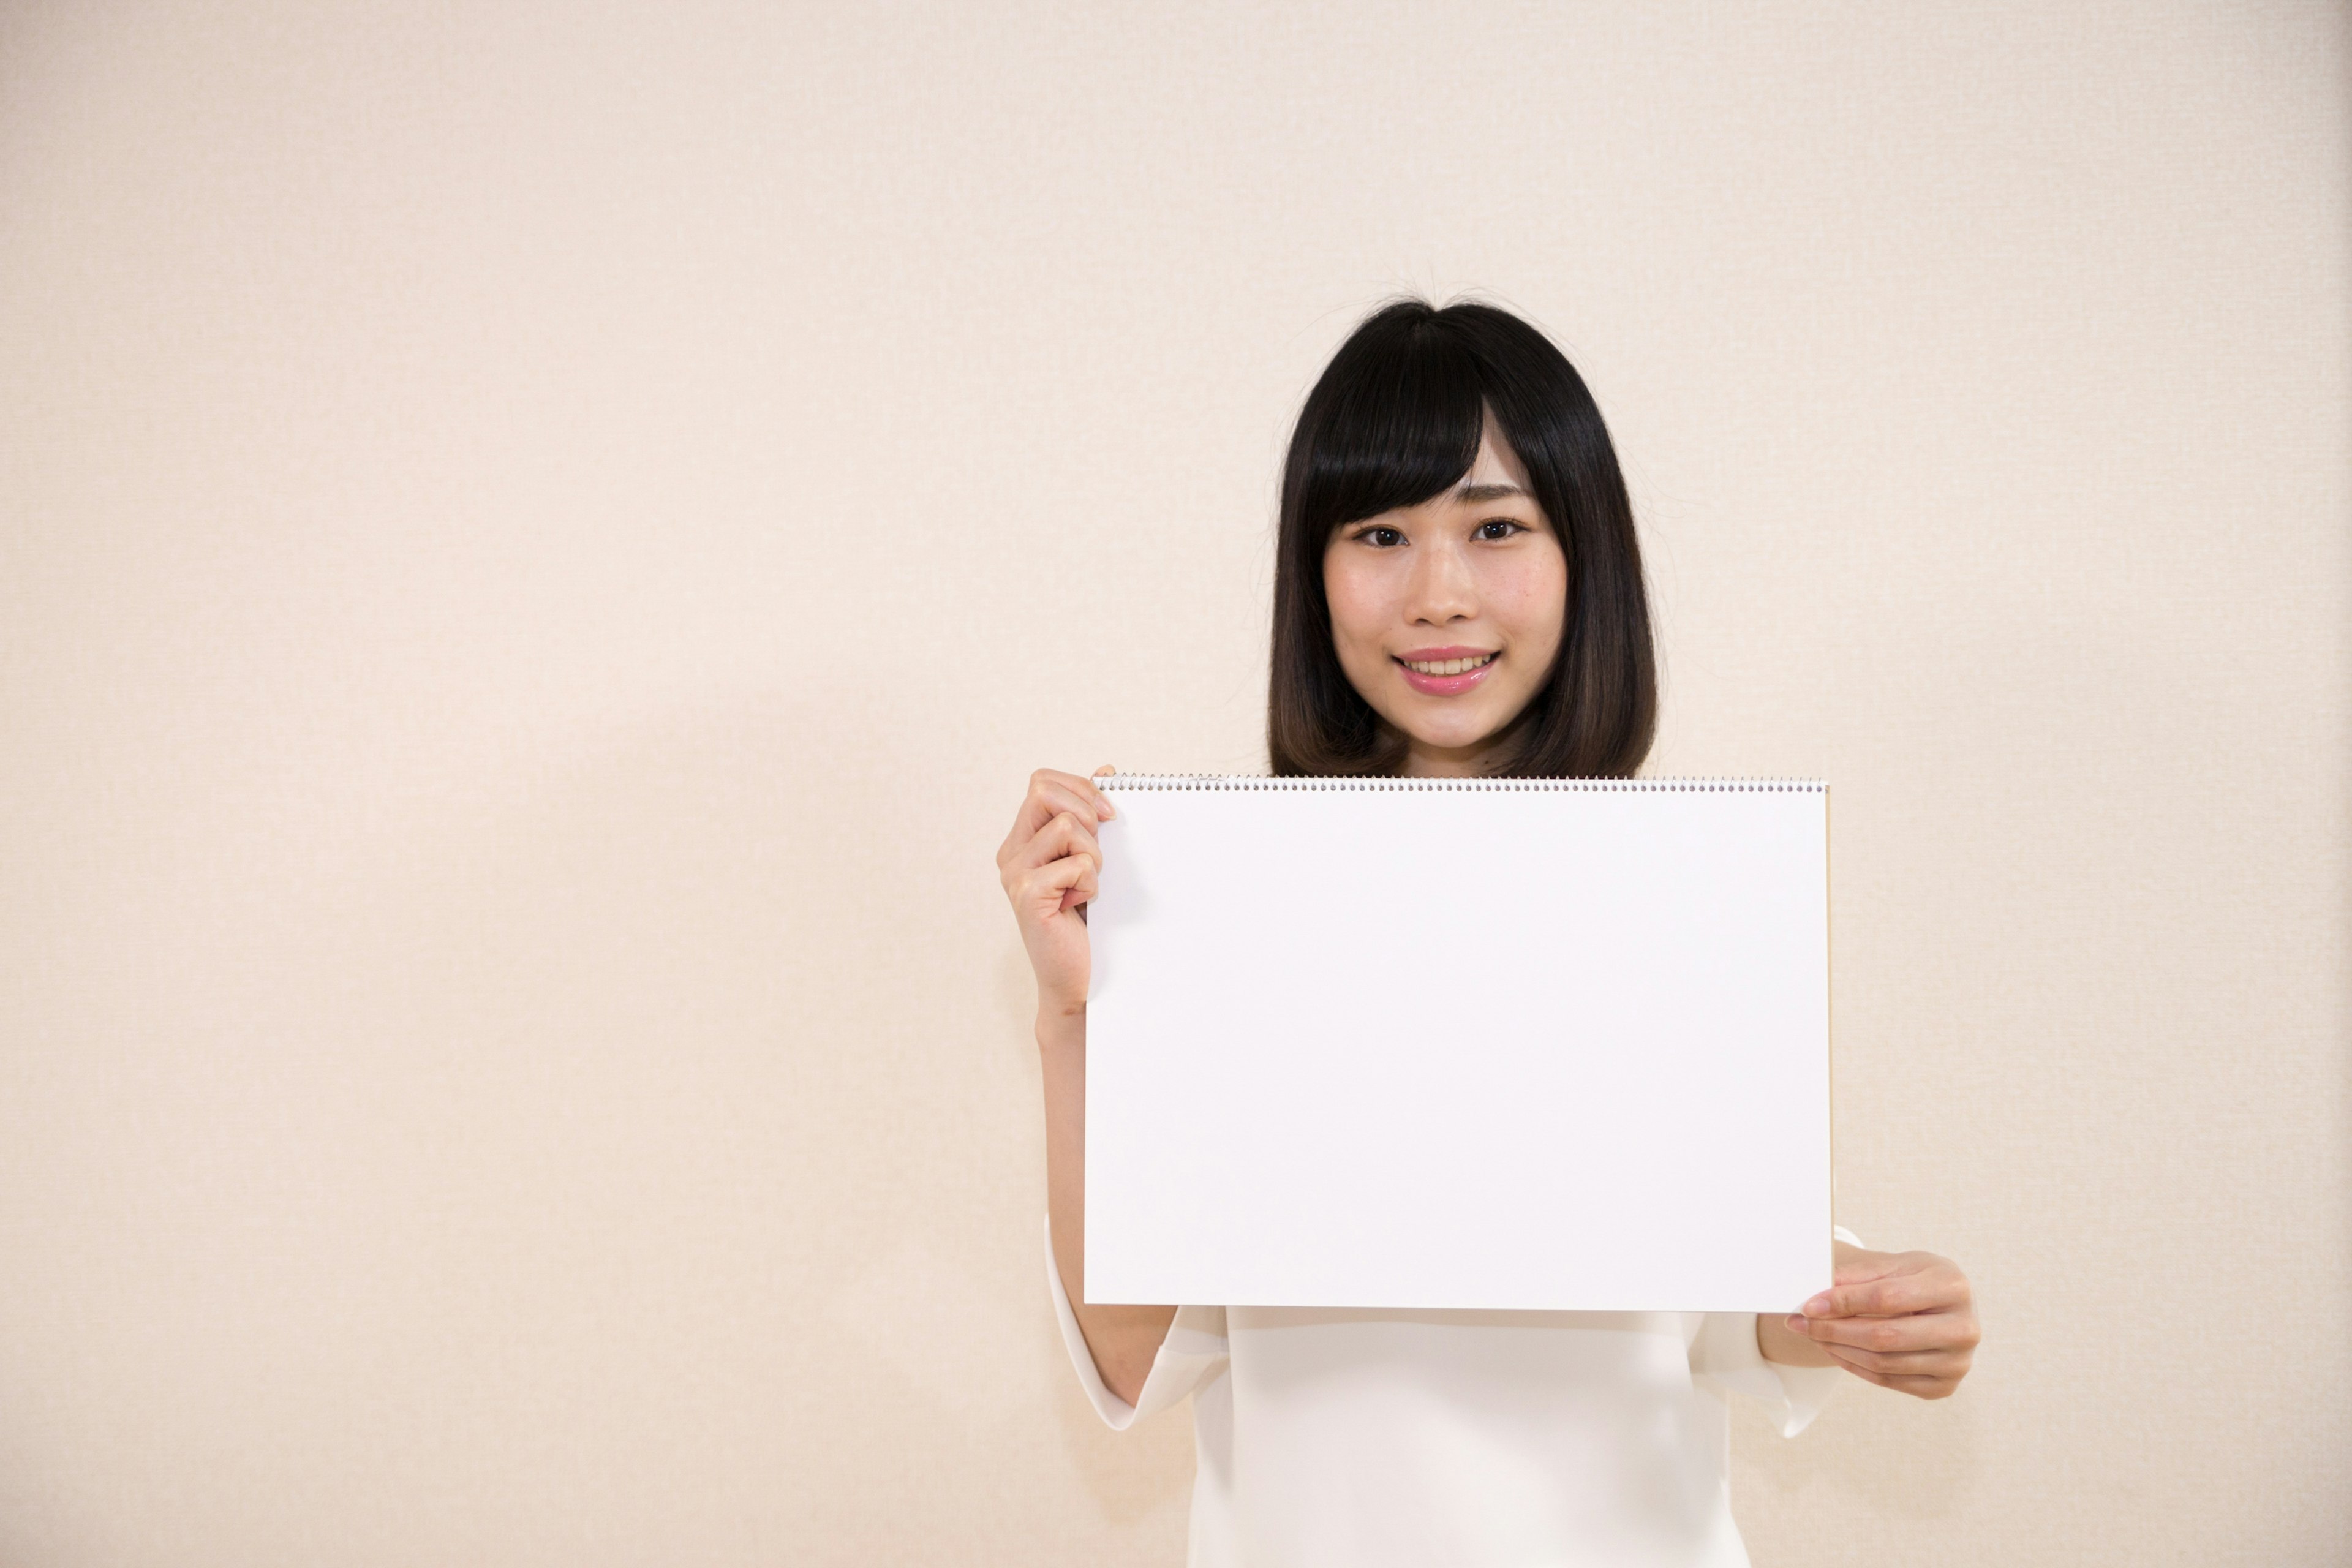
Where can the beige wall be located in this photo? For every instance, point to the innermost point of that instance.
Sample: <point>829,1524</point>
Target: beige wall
<point>540,548</point>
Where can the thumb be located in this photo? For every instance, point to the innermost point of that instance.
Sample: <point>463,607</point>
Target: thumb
<point>1856,1287</point>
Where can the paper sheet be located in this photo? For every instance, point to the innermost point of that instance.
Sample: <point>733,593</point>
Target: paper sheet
<point>1484,1046</point>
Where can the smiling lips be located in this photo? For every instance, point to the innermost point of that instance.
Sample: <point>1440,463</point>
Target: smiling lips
<point>1445,671</point>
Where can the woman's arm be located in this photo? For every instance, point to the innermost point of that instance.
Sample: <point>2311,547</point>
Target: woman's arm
<point>1125,1340</point>
<point>1049,865</point>
<point>1904,1321</point>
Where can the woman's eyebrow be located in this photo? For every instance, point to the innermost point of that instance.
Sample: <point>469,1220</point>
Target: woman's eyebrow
<point>1475,493</point>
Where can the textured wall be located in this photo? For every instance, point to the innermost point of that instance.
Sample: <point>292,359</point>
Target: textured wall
<point>538,545</point>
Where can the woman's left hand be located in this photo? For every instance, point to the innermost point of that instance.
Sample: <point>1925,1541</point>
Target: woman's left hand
<point>1902,1321</point>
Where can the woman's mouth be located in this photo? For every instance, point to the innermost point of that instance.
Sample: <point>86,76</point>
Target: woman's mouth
<point>1444,671</point>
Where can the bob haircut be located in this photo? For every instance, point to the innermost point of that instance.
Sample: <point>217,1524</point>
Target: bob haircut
<point>1396,420</point>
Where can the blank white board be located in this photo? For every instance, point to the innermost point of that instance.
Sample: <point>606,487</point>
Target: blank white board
<point>1534,1043</point>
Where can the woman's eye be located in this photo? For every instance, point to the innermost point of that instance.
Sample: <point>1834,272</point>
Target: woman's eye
<point>1382,537</point>
<point>1499,528</point>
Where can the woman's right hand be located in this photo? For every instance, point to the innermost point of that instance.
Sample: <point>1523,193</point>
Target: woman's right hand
<point>1050,866</point>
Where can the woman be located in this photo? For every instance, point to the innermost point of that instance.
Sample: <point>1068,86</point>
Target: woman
<point>1458,591</point>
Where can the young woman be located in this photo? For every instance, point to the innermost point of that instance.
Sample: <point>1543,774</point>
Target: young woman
<point>1457,592</point>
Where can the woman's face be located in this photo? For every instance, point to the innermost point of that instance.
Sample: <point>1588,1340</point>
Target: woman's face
<point>1446,616</point>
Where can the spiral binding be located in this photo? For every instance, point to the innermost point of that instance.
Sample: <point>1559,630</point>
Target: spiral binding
<point>1489,785</point>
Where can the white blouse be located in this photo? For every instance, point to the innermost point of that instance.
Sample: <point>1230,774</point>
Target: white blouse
<point>1371,1438</point>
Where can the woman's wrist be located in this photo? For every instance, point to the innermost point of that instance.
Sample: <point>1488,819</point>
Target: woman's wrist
<point>1060,1029</point>
<point>1776,1342</point>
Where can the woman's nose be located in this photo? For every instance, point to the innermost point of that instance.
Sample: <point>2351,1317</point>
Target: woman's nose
<point>1441,588</point>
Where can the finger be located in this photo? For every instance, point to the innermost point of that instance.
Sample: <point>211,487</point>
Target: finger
<point>1921,1387</point>
<point>1048,798</point>
<point>1916,1363</point>
<point>1051,793</point>
<point>1919,1332</point>
<point>1904,1383</point>
<point>1854,1268</point>
<point>1045,890</point>
<point>1891,1295</point>
<point>1086,795</point>
<point>1077,878</point>
<point>1067,834</point>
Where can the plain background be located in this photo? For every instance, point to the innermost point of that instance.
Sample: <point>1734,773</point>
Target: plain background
<point>541,544</point>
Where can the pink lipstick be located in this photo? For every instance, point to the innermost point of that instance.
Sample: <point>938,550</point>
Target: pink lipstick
<point>1445,671</point>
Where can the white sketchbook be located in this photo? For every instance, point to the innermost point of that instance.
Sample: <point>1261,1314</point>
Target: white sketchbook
<point>1538,1042</point>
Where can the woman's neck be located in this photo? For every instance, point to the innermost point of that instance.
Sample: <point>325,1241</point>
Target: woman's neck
<point>1425,762</point>
<point>1477,760</point>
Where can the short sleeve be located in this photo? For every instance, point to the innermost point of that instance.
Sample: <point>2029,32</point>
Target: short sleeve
<point>1726,1351</point>
<point>1191,1357</point>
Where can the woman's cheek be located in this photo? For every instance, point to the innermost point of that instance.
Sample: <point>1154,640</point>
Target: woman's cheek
<point>1530,606</point>
<point>1358,614</point>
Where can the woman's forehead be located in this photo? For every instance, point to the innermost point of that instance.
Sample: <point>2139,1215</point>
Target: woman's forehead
<point>1497,463</point>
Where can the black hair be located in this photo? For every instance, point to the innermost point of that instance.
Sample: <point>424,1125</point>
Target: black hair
<point>1395,420</point>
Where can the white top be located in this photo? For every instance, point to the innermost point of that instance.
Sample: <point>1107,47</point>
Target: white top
<point>1463,1438</point>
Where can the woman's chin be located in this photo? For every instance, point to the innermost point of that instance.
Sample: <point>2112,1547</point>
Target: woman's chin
<point>1449,737</point>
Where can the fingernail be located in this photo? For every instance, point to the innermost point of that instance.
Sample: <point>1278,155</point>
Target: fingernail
<point>1796,1324</point>
<point>1817,1306</point>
